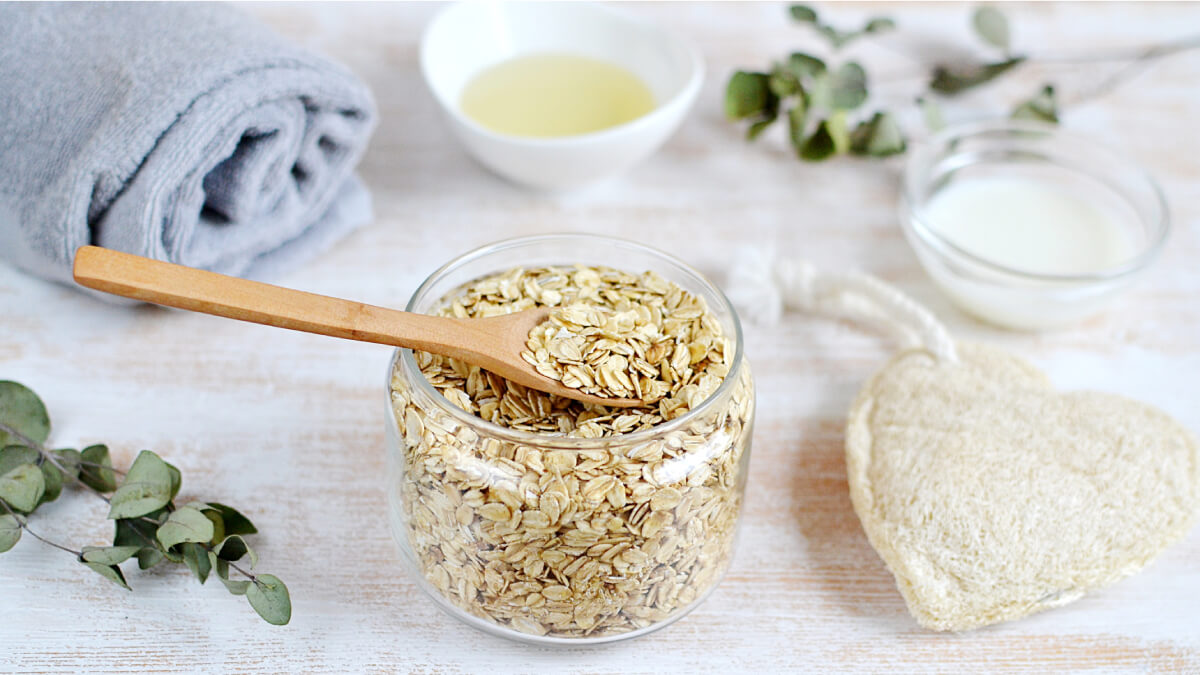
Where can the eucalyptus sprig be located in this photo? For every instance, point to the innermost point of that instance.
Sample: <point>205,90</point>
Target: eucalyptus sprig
<point>818,99</point>
<point>991,26</point>
<point>149,526</point>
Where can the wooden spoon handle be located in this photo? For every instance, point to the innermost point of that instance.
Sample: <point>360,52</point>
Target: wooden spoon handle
<point>197,290</point>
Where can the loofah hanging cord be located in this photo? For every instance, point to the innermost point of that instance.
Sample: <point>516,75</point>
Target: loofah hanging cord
<point>762,287</point>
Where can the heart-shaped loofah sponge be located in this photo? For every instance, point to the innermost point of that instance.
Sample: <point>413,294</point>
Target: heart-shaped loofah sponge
<point>991,496</point>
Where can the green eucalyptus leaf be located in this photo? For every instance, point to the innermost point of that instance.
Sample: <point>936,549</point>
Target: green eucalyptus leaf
<point>221,570</point>
<point>22,410</point>
<point>888,138</point>
<point>849,86</point>
<point>818,146</point>
<point>837,39</point>
<point>149,557</point>
<point>108,555</point>
<point>840,38</point>
<point>95,471</point>
<point>218,524</point>
<point>269,597</point>
<point>803,13</point>
<point>176,479</point>
<point>235,586</point>
<point>15,455</point>
<point>805,65</point>
<point>139,532</point>
<point>931,112</point>
<point>878,137</point>
<point>957,79</point>
<point>69,460</point>
<point>172,555</point>
<point>146,488</point>
<point>10,531</point>
<point>186,524</point>
<point>861,136</point>
<point>110,572</point>
<point>235,522</point>
<point>195,557</point>
<point>756,129</point>
<point>991,25</point>
<point>53,479</point>
<point>783,83</point>
<point>142,532</point>
<point>819,94</point>
<point>839,131</point>
<point>879,24</point>
<point>234,548</point>
<point>23,487</point>
<point>1043,106</point>
<point>749,94</point>
<point>797,118</point>
<point>221,567</point>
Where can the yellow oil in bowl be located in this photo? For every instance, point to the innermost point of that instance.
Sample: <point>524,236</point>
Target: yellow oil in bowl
<point>551,94</point>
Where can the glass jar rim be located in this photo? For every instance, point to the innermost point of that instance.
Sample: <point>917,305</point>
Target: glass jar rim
<point>403,358</point>
<point>918,219</point>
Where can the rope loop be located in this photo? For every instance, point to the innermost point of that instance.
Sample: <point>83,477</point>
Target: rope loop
<point>762,288</point>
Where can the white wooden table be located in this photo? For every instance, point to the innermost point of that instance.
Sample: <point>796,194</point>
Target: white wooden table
<point>289,427</point>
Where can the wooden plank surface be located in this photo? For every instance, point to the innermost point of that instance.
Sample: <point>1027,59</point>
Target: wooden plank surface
<point>289,426</point>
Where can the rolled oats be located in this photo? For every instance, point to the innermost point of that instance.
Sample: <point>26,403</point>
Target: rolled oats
<point>625,352</point>
<point>547,537</point>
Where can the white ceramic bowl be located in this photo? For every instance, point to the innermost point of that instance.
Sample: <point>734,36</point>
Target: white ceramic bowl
<point>471,36</point>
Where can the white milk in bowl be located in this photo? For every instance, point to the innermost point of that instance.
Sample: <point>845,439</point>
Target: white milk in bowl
<point>1031,226</point>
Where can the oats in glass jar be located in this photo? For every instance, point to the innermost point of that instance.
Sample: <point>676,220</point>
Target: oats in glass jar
<point>580,520</point>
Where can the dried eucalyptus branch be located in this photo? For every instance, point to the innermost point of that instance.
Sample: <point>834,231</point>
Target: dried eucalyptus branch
<point>818,99</point>
<point>204,536</point>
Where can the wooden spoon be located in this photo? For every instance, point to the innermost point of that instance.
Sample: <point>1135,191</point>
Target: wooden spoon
<point>494,343</point>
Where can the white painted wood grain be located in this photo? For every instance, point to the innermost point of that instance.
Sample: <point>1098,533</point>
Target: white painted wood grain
<point>289,426</point>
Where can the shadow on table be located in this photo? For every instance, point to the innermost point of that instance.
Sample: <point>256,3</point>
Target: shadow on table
<point>851,576</point>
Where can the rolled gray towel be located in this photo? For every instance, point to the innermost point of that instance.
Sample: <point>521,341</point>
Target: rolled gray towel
<point>179,131</point>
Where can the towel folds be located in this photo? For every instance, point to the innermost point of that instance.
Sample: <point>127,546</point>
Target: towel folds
<point>179,131</point>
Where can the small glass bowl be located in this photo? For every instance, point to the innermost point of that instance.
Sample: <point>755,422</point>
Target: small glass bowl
<point>566,564</point>
<point>1011,297</point>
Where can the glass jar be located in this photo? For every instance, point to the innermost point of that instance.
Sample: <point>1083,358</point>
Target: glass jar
<point>545,538</point>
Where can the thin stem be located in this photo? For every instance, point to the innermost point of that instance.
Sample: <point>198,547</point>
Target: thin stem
<point>49,456</point>
<point>50,543</point>
<point>20,436</point>
<point>41,449</point>
<point>151,542</point>
<point>1138,53</point>
<point>96,492</point>
<point>1137,59</point>
<point>97,465</point>
<point>244,572</point>
<point>25,526</point>
<point>1134,68</point>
